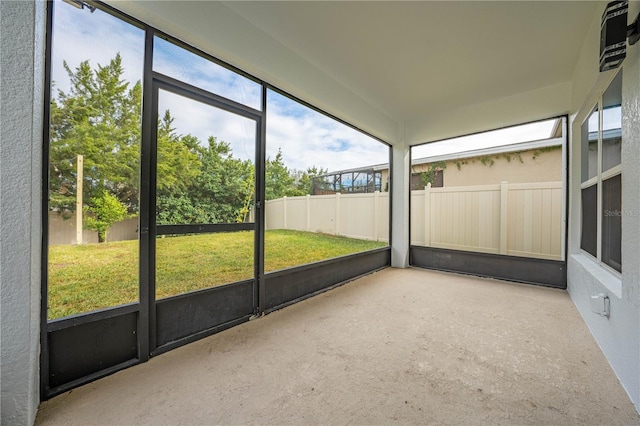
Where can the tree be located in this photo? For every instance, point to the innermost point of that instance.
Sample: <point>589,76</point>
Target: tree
<point>103,212</point>
<point>222,192</point>
<point>279,181</point>
<point>304,180</point>
<point>99,118</point>
<point>178,157</point>
<point>225,181</point>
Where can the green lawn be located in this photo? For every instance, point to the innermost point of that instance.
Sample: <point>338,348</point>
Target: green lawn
<point>93,276</point>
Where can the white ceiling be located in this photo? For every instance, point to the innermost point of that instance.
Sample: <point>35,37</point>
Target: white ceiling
<point>393,67</point>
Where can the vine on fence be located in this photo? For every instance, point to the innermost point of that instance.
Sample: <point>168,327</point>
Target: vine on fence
<point>429,175</point>
<point>489,160</point>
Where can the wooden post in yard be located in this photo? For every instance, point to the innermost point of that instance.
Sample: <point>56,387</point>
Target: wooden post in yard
<point>79,179</point>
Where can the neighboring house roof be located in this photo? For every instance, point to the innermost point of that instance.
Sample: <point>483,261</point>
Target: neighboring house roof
<point>606,134</point>
<point>523,146</point>
<point>554,138</point>
<point>374,168</point>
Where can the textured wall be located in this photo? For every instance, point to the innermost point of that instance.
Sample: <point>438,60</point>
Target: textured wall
<point>631,200</point>
<point>22,73</point>
<point>547,167</point>
<point>631,174</point>
<point>619,335</point>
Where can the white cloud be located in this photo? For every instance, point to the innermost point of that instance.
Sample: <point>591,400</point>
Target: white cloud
<point>79,35</point>
<point>308,138</point>
<point>181,64</point>
<point>202,121</point>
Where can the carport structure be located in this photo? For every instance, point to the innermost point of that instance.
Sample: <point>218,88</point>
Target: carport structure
<point>406,73</point>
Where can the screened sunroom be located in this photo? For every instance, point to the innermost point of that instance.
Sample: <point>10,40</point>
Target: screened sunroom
<point>182,170</point>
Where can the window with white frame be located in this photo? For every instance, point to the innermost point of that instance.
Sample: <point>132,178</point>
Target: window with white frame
<point>601,140</point>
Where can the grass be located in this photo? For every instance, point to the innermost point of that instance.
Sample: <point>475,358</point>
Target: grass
<point>94,276</point>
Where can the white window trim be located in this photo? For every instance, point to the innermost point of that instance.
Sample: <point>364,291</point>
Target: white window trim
<point>588,183</point>
<point>614,171</point>
<point>609,277</point>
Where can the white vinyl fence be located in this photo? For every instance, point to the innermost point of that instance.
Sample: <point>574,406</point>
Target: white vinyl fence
<point>523,219</point>
<point>362,216</point>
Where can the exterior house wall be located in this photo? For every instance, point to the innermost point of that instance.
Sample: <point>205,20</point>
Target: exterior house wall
<point>618,335</point>
<point>546,167</point>
<point>22,35</point>
<point>384,177</point>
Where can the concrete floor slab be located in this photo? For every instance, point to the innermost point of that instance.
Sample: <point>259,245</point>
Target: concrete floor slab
<point>406,346</point>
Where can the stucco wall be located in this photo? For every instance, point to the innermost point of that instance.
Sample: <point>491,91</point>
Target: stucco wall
<point>546,167</point>
<point>619,335</point>
<point>22,34</point>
